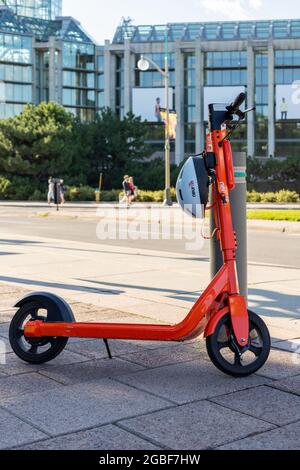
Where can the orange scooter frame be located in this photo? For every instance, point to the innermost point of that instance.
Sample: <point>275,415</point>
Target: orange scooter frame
<point>220,312</point>
<point>222,296</point>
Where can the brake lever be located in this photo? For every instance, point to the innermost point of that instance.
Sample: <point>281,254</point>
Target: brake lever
<point>249,110</point>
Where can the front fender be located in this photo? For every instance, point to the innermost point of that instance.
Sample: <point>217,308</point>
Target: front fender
<point>213,322</point>
<point>57,308</point>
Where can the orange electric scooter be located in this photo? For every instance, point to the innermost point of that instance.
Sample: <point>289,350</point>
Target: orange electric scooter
<point>238,341</point>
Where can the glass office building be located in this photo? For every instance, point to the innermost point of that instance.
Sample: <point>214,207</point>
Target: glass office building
<point>43,9</point>
<point>47,57</point>
<point>211,62</point>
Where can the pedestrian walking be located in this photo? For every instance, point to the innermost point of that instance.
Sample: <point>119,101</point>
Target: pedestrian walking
<point>62,190</point>
<point>127,191</point>
<point>50,190</point>
<point>133,189</point>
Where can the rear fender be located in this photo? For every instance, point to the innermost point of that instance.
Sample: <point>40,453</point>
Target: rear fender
<point>57,308</point>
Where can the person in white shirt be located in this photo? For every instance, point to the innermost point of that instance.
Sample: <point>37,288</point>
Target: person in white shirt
<point>284,109</point>
<point>50,190</point>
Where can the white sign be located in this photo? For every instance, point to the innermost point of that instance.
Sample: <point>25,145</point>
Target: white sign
<point>146,102</point>
<point>288,101</point>
<point>220,95</point>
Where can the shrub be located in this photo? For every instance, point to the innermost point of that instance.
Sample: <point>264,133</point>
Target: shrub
<point>81,193</point>
<point>38,195</point>
<point>283,196</point>
<point>287,196</point>
<point>4,187</point>
<point>111,196</point>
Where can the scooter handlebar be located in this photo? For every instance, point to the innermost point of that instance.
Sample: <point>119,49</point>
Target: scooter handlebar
<point>235,106</point>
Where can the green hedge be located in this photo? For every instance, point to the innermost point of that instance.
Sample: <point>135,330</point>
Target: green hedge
<point>273,174</point>
<point>283,196</point>
<point>4,187</point>
<point>22,189</point>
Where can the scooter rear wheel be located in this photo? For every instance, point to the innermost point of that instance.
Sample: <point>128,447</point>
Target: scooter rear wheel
<point>233,360</point>
<point>33,350</point>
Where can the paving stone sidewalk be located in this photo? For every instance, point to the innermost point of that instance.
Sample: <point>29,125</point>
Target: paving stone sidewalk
<point>150,396</point>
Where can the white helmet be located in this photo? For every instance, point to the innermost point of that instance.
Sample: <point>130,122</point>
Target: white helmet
<point>192,187</point>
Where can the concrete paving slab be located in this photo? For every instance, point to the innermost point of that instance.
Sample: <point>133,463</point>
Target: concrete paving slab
<point>15,366</point>
<point>291,384</point>
<point>5,346</point>
<point>25,384</point>
<point>165,356</point>
<point>280,364</point>
<point>15,432</point>
<point>284,438</point>
<point>95,349</point>
<point>106,437</point>
<point>264,273</point>
<point>4,329</point>
<point>283,322</point>
<point>274,300</point>
<point>6,315</point>
<point>90,371</point>
<point>278,335</point>
<point>292,346</point>
<point>201,425</point>
<point>266,403</point>
<point>191,381</point>
<point>83,406</point>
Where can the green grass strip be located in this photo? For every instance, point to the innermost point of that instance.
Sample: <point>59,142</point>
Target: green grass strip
<point>288,215</point>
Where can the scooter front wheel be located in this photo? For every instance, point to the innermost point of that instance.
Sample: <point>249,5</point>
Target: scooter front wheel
<point>33,350</point>
<point>233,360</point>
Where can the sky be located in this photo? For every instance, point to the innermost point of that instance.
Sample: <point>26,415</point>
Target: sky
<point>101,18</point>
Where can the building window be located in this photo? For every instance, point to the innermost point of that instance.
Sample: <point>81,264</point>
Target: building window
<point>79,56</point>
<point>261,100</point>
<point>190,102</point>
<point>152,78</point>
<point>120,86</point>
<point>287,131</point>
<point>226,68</point>
<point>15,48</point>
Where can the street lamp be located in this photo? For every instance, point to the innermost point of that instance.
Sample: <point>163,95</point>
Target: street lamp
<point>143,65</point>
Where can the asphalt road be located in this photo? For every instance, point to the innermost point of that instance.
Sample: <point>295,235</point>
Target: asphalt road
<point>278,249</point>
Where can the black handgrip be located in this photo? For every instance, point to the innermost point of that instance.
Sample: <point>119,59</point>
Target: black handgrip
<point>234,107</point>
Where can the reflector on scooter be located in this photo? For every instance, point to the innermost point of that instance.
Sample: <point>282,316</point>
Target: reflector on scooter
<point>192,187</point>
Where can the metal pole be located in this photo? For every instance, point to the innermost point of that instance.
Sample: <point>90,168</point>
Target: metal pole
<point>100,185</point>
<point>238,199</point>
<point>168,200</point>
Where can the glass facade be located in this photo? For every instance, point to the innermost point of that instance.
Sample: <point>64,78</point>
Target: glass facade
<point>214,31</point>
<point>233,55</point>
<point>43,9</point>
<point>228,68</point>
<point>16,57</point>
<point>287,132</point>
<point>189,102</point>
<point>120,86</point>
<point>68,70</point>
<point>261,100</point>
<point>80,76</point>
<point>149,79</point>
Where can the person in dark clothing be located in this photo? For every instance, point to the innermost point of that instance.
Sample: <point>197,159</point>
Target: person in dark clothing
<point>127,191</point>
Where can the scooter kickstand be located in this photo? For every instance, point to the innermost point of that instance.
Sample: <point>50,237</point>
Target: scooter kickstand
<point>107,348</point>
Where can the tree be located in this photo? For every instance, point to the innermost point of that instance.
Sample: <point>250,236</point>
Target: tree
<point>115,146</point>
<point>38,142</point>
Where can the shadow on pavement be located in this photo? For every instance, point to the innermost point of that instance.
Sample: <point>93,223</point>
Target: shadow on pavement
<point>275,304</point>
<point>56,285</point>
<point>19,242</point>
<point>144,288</point>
